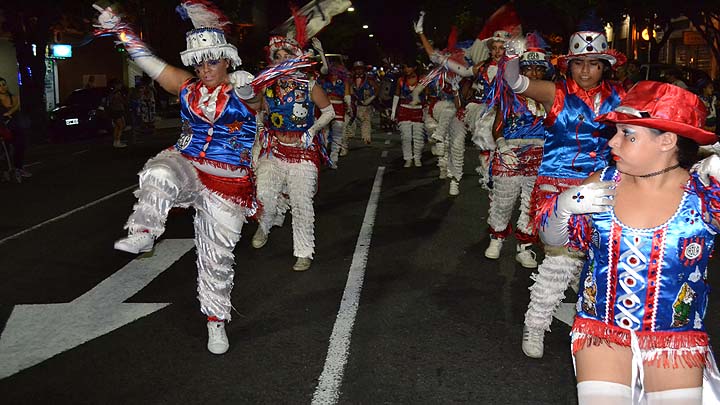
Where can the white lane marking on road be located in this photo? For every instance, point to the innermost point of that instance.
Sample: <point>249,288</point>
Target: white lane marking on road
<point>328,388</point>
<point>59,217</point>
<point>80,152</point>
<point>566,313</point>
<point>384,154</point>
<point>35,333</point>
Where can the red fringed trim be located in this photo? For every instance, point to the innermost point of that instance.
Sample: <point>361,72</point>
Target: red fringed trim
<point>664,349</point>
<point>538,197</point>
<point>214,319</point>
<point>547,206</point>
<point>220,165</point>
<point>580,232</point>
<point>409,114</point>
<point>293,154</point>
<point>339,109</point>
<point>239,190</point>
<point>501,234</point>
<point>523,237</point>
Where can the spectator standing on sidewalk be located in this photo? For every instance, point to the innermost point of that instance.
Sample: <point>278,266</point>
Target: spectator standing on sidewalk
<point>117,107</point>
<point>17,123</point>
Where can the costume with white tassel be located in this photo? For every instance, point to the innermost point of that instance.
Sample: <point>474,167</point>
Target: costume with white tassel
<point>293,149</point>
<point>209,168</point>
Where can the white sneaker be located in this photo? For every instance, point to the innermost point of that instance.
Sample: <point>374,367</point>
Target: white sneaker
<point>259,239</point>
<point>525,256</point>
<point>454,187</point>
<point>302,264</point>
<point>408,163</point>
<point>119,144</point>
<point>418,162</point>
<point>533,342</point>
<point>493,250</point>
<point>217,338</point>
<point>136,243</point>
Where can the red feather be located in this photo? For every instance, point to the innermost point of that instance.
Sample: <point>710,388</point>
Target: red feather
<point>505,19</point>
<point>452,38</point>
<point>300,27</point>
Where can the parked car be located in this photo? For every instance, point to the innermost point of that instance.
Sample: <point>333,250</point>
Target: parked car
<point>658,72</point>
<point>81,115</point>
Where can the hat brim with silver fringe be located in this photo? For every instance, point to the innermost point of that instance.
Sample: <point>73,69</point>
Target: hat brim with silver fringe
<point>208,44</point>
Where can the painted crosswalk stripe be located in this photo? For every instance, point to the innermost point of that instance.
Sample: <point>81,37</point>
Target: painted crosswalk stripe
<point>67,214</point>
<point>328,388</point>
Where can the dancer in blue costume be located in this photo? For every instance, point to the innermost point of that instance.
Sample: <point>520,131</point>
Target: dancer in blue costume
<point>573,149</point>
<point>408,112</point>
<point>335,81</point>
<point>648,225</point>
<point>209,168</point>
<point>519,134</point>
<point>293,149</point>
<point>472,113</point>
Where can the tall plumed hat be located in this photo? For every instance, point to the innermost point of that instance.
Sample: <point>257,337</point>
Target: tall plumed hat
<point>502,25</point>
<point>294,42</point>
<point>207,40</point>
<point>590,41</point>
<point>665,107</point>
<point>536,52</point>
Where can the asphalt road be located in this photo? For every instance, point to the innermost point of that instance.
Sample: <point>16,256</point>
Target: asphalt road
<point>399,278</point>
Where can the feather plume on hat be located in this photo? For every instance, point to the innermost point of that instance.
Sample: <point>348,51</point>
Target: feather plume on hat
<point>207,40</point>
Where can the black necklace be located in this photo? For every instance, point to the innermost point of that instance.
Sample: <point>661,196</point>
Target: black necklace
<point>665,170</point>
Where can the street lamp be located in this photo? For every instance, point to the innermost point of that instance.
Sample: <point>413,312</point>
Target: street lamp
<point>371,35</point>
<point>646,34</point>
<point>351,9</point>
<point>365,26</point>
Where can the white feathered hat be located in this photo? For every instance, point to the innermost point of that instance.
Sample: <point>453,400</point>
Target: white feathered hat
<point>207,40</point>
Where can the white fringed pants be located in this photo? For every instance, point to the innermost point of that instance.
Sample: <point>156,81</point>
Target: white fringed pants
<point>506,190</point>
<point>364,116</point>
<point>337,140</point>
<point>443,113</point>
<point>559,269</point>
<point>299,180</point>
<point>170,180</point>
<point>412,139</point>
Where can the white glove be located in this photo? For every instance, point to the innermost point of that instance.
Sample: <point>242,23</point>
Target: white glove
<point>585,199</point>
<point>517,82</point>
<point>506,154</point>
<point>307,138</point>
<point>515,47</point>
<point>395,102</point>
<point>241,81</point>
<point>418,25</point>
<point>708,167</point>
<point>107,18</point>
<point>318,47</point>
<point>437,58</point>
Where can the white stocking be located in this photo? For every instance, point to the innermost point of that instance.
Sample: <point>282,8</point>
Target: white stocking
<point>603,393</point>
<point>684,396</point>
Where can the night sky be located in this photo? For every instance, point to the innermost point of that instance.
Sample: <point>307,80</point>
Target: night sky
<point>389,20</point>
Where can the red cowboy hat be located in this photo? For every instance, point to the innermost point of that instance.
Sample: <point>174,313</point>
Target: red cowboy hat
<point>665,107</point>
